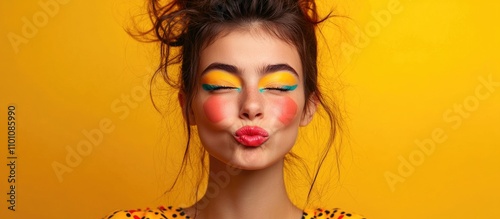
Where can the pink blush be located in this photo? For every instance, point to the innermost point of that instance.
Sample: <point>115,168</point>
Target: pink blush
<point>288,109</point>
<point>213,108</point>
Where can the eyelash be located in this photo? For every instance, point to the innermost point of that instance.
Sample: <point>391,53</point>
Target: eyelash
<point>281,89</point>
<point>211,87</point>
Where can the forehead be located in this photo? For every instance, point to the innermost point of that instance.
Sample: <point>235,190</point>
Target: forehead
<point>249,49</point>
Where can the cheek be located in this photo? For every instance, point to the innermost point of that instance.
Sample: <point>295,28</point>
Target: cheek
<point>214,109</point>
<point>287,110</point>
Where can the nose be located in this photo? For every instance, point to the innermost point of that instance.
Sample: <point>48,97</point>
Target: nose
<point>251,105</point>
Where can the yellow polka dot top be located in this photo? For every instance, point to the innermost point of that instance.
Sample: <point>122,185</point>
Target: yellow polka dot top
<point>178,213</point>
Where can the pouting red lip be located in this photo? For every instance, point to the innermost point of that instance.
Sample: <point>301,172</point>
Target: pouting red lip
<point>252,136</point>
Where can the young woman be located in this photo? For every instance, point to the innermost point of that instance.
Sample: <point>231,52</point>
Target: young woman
<point>248,81</point>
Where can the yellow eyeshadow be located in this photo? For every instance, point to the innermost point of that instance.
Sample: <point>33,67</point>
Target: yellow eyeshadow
<point>278,78</point>
<point>221,78</point>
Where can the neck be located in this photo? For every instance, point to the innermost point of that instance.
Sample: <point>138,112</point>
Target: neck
<point>235,193</point>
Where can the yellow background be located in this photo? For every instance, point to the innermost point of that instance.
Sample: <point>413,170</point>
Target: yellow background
<point>400,85</point>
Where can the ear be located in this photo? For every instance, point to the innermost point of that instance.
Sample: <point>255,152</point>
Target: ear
<point>182,102</point>
<point>309,111</point>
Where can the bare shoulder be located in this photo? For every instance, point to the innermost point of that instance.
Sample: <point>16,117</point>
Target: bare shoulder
<point>156,213</point>
<point>333,213</point>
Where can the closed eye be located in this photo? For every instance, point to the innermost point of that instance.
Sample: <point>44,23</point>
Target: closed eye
<point>213,87</point>
<point>285,88</point>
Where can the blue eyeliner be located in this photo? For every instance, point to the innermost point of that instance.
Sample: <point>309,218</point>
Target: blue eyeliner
<point>282,88</point>
<point>289,88</point>
<point>211,87</point>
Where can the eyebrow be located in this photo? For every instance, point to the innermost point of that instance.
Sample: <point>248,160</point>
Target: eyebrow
<point>225,67</point>
<point>279,67</point>
<point>235,70</point>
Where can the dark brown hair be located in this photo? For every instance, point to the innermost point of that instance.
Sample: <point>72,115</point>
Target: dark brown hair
<point>190,25</point>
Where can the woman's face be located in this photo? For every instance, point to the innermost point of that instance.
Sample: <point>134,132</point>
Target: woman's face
<point>250,99</point>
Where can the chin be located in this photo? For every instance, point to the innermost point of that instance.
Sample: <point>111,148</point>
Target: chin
<point>251,167</point>
<point>253,160</point>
